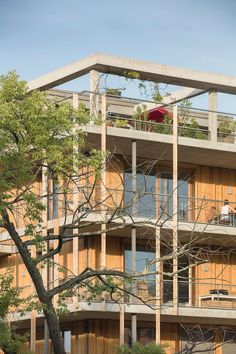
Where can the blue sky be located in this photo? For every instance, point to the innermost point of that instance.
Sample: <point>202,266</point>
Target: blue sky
<point>39,36</point>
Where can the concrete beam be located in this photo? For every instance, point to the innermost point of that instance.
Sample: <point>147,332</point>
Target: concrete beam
<point>147,70</point>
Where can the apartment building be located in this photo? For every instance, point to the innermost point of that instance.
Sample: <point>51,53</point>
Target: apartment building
<point>169,187</point>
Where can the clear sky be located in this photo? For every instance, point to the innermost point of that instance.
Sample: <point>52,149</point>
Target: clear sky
<point>37,36</point>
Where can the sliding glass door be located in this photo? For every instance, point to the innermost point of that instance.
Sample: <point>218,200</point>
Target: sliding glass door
<point>166,196</point>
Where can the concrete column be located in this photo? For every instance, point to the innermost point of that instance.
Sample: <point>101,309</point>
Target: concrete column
<point>94,89</point>
<point>175,208</point>
<point>75,100</point>
<point>133,328</point>
<point>158,286</point>
<point>212,116</point>
<point>103,182</point>
<point>46,346</point>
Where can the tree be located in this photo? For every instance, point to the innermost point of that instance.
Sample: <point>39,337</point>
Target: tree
<point>10,341</point>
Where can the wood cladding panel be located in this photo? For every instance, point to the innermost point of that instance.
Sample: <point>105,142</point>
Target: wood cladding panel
<point>114,253</point>
<point>169,337</point>
<point>212,186</point>
<point>115,183</point>
<point>218,273</point>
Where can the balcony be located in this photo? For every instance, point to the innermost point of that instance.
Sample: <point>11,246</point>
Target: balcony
<point>149,206</point>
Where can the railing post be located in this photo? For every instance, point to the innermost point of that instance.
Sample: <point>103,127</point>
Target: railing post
<point>212,116</point>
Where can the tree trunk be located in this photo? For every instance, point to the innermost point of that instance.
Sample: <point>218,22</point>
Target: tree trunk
<point>54,328</point>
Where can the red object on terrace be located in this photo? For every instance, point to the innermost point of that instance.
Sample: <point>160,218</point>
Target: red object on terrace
<point>157,114</point>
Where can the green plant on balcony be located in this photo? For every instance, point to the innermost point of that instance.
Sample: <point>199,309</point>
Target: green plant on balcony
<point>188,126</point>
<point>227,125</point>
<point>140,118</point>
<point>165,127</point>
<point>121,123</point>
<point>137,348</point>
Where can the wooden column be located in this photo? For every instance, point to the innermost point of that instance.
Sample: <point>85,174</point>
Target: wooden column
<point>122,322</point>
<point>158,286</point>
<point>94,89</point>
<point>103,182</point>
<point>212,116</point>
<point>175,208</point>
<point>191,286</point>
<point>133,233</point>
<point>56,261</point>
<point>44,192</point>
<point>33,324</point>
<point>75,199</point>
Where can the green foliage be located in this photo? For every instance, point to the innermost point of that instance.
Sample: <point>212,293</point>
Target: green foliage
<point>227,125</point>
<point>121,123</point>
<point>131,75</point>
<point>9,295</point>
<point>36,131</point>
<point>113,91</point>
<point>10,341</point>
<point>138,348</point>
<point>188,126</point>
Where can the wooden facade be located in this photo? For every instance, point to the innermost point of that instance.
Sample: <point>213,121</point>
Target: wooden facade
<point>95,336</point>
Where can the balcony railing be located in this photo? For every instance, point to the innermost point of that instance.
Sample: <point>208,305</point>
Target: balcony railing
<point>153,127</point>
<point>190,209</point>
<point>148,205</point>
<point>229,138</point>
<point>216,293</point>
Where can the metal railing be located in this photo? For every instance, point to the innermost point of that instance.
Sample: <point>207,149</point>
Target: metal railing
<point>154,127</point>
<point>229,138</point>
<point>148,205</point>
<point>216,293</point>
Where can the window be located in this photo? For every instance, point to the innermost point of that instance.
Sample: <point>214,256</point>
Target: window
<point>166,195</point>
<point>183,280</point>
<point>67,341</point>
<point>145,335</point>
<point>202,339</point>
<point>145,195</point>
<point>145,286</point>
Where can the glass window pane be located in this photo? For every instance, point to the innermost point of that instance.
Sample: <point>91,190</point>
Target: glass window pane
<point>146,194</point>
